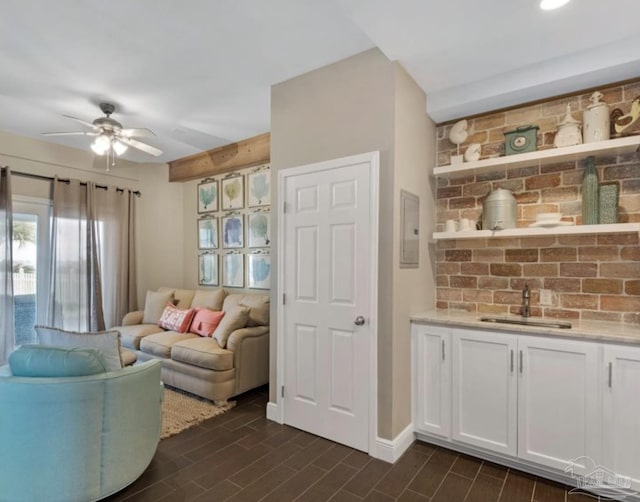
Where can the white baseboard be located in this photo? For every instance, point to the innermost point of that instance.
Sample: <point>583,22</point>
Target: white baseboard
<point>274,412</point>
<point>392,450</point>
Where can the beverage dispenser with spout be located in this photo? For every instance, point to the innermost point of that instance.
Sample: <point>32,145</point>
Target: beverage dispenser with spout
<point>499,210</point>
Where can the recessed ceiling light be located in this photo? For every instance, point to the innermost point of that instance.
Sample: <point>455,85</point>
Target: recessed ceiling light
<point>552,4</point>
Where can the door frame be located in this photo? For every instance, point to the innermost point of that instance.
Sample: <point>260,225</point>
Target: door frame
<point>373,159</point>
<point>42,209</point>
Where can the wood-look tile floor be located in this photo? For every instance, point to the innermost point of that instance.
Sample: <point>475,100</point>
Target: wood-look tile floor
<point>240,456</point>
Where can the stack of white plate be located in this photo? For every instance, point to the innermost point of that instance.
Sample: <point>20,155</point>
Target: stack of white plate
<point>550,220</point>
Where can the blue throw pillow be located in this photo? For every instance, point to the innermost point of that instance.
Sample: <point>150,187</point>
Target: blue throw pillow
<point>46,361</point>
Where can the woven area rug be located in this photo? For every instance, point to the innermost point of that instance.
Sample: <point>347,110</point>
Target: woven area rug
<point>181,410</point>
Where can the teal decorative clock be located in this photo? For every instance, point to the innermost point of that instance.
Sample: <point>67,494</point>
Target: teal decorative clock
<point>521,140</point>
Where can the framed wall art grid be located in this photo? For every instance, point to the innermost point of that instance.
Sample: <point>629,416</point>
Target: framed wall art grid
<point>242,228</point>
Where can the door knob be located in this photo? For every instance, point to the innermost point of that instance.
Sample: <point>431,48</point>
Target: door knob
<point>359,321</point>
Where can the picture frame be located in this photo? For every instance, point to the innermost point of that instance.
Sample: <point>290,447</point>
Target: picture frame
<point>259,188</point>
<point>208,269</point>
<point>259,229</point>
<point>259,271</point>
<point>208,233</point>
<point>232,192</point>
<point>233,231</point>
<point>233,270</point>
<point>208,196</point>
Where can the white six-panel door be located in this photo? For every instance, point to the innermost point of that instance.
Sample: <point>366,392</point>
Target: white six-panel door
<point>327,270</point>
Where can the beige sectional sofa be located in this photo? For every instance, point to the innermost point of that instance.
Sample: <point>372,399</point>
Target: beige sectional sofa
<point>214,368</point>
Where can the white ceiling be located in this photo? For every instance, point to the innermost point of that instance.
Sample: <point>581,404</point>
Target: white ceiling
<point>198,72</point>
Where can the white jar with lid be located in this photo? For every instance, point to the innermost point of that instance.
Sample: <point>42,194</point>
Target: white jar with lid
<point>595,121</point>
<point>568,131</point>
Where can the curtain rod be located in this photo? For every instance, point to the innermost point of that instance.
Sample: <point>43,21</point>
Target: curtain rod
<point>67,180</point>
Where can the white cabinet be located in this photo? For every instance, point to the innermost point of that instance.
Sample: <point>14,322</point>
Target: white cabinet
<point>558,412</point>
<point>484,390</point>
<point>536,400</point>
<point>526,396</point>
<point>432,379</point>
<point>621,407</point>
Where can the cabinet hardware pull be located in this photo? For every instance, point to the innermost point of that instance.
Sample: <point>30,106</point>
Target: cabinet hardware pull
<point>443,350</point>
<point>521,363</point>
<point>610,373</point>
<point>511,360</point>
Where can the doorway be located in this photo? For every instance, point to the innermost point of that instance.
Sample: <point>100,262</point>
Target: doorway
<point>31,250</point>
<point>327,343</point>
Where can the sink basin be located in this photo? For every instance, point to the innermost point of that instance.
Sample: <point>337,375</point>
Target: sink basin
<point>527,322</point>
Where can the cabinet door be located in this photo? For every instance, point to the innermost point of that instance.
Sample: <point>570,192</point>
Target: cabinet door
<point>621,445</point>
<point>432,379</point>
<point>558,411</point>
<point>484,389</point>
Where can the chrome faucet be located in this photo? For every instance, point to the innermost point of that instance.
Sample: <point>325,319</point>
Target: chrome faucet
<point>526,299</point>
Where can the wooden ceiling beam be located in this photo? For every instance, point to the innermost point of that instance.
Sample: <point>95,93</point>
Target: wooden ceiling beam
<point>246,153</point>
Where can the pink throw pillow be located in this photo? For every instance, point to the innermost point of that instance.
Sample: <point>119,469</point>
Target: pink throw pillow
<point>175,319</point>
<point>205,321</point>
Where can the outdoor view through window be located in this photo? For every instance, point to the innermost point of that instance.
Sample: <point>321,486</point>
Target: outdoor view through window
<point>25,254</point>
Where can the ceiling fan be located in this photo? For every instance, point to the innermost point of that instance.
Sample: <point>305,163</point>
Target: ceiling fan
<point>111,138</point>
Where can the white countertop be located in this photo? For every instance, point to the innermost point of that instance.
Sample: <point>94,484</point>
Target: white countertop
<point>593,330</point>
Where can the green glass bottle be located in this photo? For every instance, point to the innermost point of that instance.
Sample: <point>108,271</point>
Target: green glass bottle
<point>590,196</point>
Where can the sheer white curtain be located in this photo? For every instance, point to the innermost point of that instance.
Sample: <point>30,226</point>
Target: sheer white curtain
<point>7,326</point>
<point>92,260</point>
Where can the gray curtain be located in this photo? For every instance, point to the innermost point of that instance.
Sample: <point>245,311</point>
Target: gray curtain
<point>7,327</point>
<point>92,261</point>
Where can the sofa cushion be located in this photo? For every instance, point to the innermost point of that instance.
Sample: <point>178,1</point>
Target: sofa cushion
<point>234,318</point>
<point>203,352</point>
<point>130,336</point>
<point>107,342</point>
<point>258,304</point>
<point>128,357</point>
<point>176,319</point>
<point>209,299</point>
<point>205,322</point>
<point>182,297</point>
<point>159,344</point>
<point>46,361</point>
<point>154,305</point>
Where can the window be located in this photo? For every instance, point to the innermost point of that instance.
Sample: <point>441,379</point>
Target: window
<point>31,250</point>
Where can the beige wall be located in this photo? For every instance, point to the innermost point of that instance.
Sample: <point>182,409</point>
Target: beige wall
<point>190,234</point>
<point>344,109</point>
<point>160,209</point>
<point>413,288</point>
<point>160,250</point>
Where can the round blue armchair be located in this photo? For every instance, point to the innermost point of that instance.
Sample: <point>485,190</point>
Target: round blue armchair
<point>76,438</point>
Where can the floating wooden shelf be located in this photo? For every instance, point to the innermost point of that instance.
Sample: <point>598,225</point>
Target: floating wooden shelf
<point>543,157</point>
<point>536,231</point>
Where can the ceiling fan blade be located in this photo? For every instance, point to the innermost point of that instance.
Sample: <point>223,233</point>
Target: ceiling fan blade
<point>71,133</point>
<point>152,150</point>
<point>137,132</point>
<point>88,124</point>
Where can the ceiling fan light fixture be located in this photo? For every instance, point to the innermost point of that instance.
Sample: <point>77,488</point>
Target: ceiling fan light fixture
<point>119,147</point>
<point>101,144</point>
<point>552,4</point>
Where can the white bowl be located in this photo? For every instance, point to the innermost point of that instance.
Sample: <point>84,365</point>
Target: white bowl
<point>544,217</point>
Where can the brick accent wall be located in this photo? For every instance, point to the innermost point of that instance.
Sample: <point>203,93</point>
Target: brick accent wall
<point>591,276</point>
